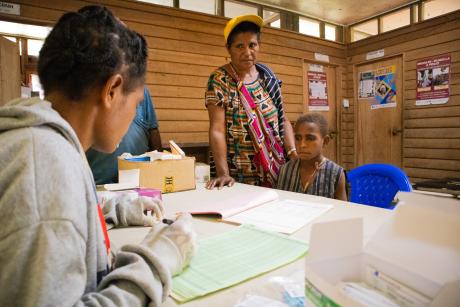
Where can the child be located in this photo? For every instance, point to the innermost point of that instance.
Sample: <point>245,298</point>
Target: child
<point>52,249</point>
<point>312,173</point>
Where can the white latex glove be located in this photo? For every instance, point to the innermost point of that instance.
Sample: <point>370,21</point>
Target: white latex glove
<point>175,243</point>
<point>125,210</point>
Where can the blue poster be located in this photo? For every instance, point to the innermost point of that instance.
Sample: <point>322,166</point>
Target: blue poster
<point>385,88</point>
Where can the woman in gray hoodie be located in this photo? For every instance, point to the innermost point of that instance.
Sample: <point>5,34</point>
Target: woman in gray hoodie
<point>53,250</point>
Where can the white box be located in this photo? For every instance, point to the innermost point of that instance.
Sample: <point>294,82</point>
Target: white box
<point>202,172</point>
<point>418,246</point>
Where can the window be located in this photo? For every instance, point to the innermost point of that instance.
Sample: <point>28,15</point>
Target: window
<point>439,7</point>
<point>10,38</point>
<point>160,2</point>
<point>309,26</point>
<point>329,32</point>
<point>36,86</point>
<point>203,6</point>
<point>272,18</point>
<point>20,29</point>
<point>34,46</point>
<point>365,29</point>
<point>233,9</point>
<point>276,24</point>
<point>396,20</point>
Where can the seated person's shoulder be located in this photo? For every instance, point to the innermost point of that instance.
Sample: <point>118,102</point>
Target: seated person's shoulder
<point>334,165</point>
<point>46,179</point>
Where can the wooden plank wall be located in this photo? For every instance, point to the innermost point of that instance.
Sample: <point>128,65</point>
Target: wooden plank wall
<point>184,48</point>
<point>10,74</point>
<point>431,139</point>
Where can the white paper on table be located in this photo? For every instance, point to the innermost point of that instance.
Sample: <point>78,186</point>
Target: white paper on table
<point>285,216</point>
<point>259,301</point>
<point>120,186</point>
<point>127,179</point>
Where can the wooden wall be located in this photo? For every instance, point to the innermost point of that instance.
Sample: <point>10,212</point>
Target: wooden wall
<point>431,138</point>
<point>184,48</point>
<point>10,74</point>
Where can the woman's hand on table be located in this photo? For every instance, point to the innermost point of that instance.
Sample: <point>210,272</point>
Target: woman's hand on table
<point>220,182</point>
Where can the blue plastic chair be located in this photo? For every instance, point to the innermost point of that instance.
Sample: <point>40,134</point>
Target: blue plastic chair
<point>377,184</point>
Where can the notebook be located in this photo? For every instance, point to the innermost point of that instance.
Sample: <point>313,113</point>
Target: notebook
<point>232,203</point>
<point>232,257</point>
<point>261,208</point>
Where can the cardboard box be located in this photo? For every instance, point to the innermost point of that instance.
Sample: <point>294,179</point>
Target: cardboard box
<point>165,175</point>
<point>418,247</point>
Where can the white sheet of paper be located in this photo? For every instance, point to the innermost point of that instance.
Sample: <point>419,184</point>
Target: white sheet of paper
<point>120,186</point>
<point>285,216</point>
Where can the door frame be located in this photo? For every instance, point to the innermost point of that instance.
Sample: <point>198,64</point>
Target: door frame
<point>355,100</point>
<point>338,95</point>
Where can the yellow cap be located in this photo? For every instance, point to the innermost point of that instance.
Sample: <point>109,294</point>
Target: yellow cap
<point>232,23</point>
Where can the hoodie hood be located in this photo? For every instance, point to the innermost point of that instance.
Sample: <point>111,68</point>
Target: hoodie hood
<point>33,112</point>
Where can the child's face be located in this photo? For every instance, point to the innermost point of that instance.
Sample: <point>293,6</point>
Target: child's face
<point>308,140</point>
<point>115,121</point>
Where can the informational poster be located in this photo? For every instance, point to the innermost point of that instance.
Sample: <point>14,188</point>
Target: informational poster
<point>317,91</point>
<point>366,85</point>
<point>385,88</point>
<point>433,79</point>
<point>316,67</point>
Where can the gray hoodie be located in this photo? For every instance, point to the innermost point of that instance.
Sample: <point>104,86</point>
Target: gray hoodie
<point>52,250</point>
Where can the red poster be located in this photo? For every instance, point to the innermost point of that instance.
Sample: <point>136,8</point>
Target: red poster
<point>433,78</point>
<point>317,91</point>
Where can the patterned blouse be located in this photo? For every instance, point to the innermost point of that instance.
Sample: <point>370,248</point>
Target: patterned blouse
<point>325,183</point>
<point>222,91</point>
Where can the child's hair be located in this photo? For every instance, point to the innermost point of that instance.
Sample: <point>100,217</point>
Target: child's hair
<point>315,118</point>
<point>86,48</point>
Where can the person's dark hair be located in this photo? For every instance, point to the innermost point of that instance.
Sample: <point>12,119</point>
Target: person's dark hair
<point>243,27</point>
<point>86,48</point>
<point>315,118</point>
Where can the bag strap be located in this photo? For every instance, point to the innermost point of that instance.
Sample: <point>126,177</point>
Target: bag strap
<point>271,155</point>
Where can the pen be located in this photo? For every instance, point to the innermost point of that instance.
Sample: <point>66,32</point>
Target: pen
<point>168,221</point>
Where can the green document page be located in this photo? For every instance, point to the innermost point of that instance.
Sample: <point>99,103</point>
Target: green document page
<point>232,257</point>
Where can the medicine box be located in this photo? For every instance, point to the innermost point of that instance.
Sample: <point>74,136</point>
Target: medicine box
<point>164,175</point>
<point>414,255</point>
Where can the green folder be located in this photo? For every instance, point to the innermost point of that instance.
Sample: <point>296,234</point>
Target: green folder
<point>232,257</point>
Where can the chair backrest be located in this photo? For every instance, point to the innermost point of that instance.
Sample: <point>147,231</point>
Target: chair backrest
<point>377,184</point>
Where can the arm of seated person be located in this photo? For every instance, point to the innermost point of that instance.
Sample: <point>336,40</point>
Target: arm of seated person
<point>341,192</point>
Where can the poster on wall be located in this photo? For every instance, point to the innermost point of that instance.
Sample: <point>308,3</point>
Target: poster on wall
<point>317,91</point>
<point>366,85</point>
<point>385,88</point>
<point>433,76</point>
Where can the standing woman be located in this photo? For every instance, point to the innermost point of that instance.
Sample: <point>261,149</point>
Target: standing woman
<point>248,126</point>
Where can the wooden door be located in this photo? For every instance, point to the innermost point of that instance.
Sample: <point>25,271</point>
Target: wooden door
<point>10,73</point>
<point>379,130</point>
<point>330,150</point>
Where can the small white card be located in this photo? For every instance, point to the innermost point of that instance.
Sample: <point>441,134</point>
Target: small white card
<point>321,57</point>
<point>375,54</point>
